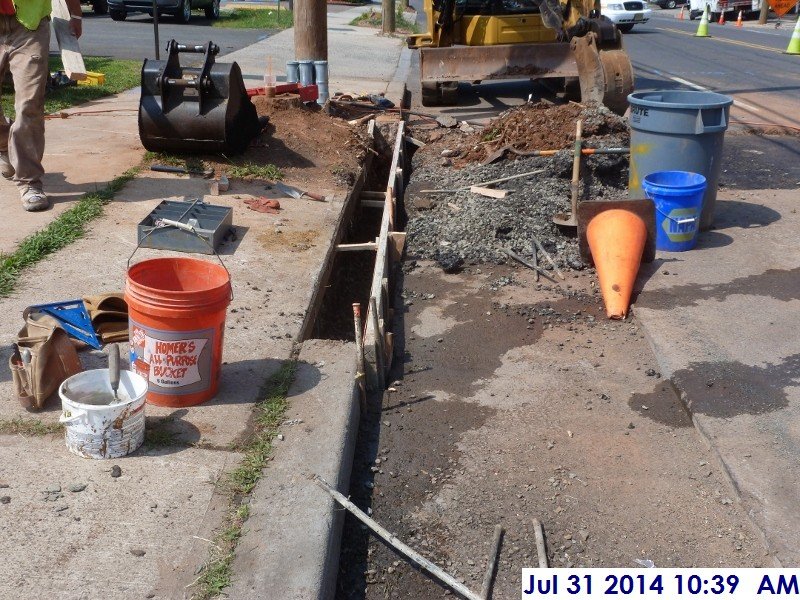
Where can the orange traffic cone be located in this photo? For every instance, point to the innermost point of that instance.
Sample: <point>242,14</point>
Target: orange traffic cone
<point>721,18</point>
<point>680,14</point>
<point>739,19</point>
<point>616,239</point>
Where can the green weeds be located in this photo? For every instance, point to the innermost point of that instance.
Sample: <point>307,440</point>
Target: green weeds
<point>62,231</point>
<point>216,575</point>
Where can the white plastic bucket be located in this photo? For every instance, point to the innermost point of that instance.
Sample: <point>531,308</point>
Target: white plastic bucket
<point>96,428</point>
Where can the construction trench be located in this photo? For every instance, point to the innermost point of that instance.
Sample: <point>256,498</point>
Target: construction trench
<point>490,394</point>
<point>511,398</point>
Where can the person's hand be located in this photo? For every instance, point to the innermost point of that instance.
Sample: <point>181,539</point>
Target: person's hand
<point>76,27</point>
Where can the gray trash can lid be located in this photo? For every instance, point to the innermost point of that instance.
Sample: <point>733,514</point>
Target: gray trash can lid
<point>679,99</point>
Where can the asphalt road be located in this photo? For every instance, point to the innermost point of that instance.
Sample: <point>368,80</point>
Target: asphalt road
<point>746,63</point>
<point>133,38</point>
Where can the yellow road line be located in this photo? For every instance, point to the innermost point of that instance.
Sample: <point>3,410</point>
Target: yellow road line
<point>726,40</point>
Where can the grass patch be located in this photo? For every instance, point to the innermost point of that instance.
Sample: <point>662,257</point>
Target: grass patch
<point>268,171</point>
<point>255,18</point>
<point>62,231</point>
<point>29,427</point>
<point>190,163</point>
<point>120,75</point>
<point>373,18</point>
<point>216,575</point>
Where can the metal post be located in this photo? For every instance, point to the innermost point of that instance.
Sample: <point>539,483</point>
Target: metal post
<point>155,28</point>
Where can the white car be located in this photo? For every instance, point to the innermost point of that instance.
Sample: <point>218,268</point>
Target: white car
<point>625,14</point>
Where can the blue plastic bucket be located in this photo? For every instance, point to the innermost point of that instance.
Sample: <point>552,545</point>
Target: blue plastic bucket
<point>678,196</point>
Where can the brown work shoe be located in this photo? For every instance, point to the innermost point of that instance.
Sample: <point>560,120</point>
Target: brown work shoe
<point>6,170</point>
<point>34,199</point>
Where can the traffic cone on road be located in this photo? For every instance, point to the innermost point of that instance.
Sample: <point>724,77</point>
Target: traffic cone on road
<point>680,14</point>
<point>616,239</point>
<point>794,43</point>
<point>739,20</point>
<point>702,29</point>
<point>721,18</point>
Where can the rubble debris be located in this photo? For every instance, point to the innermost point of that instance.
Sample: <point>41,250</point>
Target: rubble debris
<point>116,471</point>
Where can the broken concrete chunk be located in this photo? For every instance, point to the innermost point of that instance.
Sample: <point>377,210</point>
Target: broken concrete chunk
<point>447,121</point>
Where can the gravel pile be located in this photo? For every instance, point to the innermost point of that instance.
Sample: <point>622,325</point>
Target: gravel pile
<point>462,228</point>
<point>459,228</point>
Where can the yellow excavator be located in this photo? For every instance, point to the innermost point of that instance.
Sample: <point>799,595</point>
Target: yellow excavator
<point>484,40</point>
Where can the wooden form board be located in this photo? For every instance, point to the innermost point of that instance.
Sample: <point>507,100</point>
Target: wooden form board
<point>377,340</point>
<point>71,55</point>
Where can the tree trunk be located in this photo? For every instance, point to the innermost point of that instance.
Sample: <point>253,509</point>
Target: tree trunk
<point>310,30</point>
<point>762,17</point>
<point>387,16</point>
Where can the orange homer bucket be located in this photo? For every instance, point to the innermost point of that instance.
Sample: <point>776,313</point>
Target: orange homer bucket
<point>177,310</point>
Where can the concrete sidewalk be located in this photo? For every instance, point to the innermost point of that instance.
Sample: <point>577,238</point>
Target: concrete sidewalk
<point>360,59</point>
<point>724,320</point>
<point>100,142</point>
<point>146,533</point>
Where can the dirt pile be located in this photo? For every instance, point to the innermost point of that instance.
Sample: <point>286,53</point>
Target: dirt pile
<point>545,127</point>
<point>308,145</point>
<point>457,227</point>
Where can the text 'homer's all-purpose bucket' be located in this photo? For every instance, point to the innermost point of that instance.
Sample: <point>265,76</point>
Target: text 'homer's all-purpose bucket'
<point>678,130</point>
<point>678,196</point>
<point>177,310</point>
<point>97,424</point>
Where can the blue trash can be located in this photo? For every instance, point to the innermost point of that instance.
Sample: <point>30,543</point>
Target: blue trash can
<point>678,196</point>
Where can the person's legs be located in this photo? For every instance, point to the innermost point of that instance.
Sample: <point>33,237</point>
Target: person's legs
<point>27,60</point>
<point>6,170</point>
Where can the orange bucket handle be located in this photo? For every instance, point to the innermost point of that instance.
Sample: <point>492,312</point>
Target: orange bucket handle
<point>161,223</point>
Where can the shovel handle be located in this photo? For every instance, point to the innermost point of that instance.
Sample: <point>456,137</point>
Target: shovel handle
<point>313,196</point>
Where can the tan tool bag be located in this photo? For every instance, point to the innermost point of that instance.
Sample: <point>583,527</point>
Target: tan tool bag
<point>53,359</point>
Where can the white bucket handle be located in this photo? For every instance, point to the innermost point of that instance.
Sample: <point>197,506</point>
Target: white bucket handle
<point>75,415</point>
<point>677,221</point>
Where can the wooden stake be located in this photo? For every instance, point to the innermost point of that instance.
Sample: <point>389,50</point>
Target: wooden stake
<point>541,550</point>
<point>395,543</point>
<point>548,257</point>
<point>486,588</point>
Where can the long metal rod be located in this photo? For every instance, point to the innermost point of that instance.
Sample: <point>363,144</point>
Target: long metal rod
<point>537,269</point>
<point>486,588</point>
<point>485,183</point>
<point>395,543</point>
<point>155,29</point>
<point>548,257</point>
<point>359,333</point>
<point>541,550</point>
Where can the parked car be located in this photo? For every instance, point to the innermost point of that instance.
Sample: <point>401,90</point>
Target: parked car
<point>181,10</point>
<point>625,14</point>
<point>100,7</point>
<point>669,3</point>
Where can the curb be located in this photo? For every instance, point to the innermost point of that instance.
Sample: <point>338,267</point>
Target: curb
<point>292,541</point>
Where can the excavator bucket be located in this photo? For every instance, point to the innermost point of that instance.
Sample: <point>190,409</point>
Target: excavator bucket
<point>604,70</point>
<point>205,109</point>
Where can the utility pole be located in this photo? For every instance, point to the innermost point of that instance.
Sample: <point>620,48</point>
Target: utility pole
<point>762,17</point>
<point>387,16</point>
<point>310,30</point>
